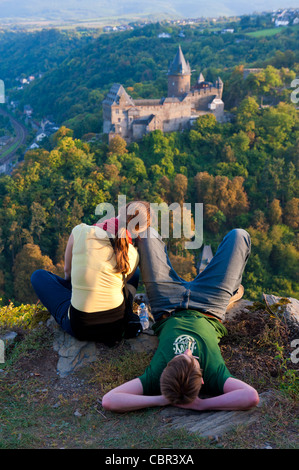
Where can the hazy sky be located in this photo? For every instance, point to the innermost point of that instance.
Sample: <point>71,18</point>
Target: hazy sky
<point>66,9</point>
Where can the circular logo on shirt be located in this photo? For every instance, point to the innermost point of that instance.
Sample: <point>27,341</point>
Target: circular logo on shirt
<point>182,343</point>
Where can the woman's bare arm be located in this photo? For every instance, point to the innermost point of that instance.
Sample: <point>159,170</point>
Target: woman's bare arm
<point>68,258</point>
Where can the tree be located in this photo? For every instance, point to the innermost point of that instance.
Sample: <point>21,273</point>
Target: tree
<point>204,184</point>
<point>38,219</point>
<point>259,221</point>
<point>179,188</point>
<point>263,82</point>
<point>61,133</point>
<point>183,265</point>
<point>227,195</point>
<point>291,213</point>
<point>285,261</point>
<point>17,236</point>
<point>213,218</point>
<point>117,146</point>
<point>205,124</point>
<point>74,216</point>
<point>27,261</point>
<point>163,190</point>
<point>247,111</point>
<point>276,125</point>
<point>275,212</point>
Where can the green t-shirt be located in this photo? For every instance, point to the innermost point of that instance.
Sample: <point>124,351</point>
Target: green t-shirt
<point>201,334</point>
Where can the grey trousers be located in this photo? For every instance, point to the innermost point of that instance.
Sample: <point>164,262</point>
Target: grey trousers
<point>209,292</point>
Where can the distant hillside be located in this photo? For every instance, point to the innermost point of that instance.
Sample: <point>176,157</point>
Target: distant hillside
<point>139,59</point>
<point>34,53</point>
<point>77,9</point>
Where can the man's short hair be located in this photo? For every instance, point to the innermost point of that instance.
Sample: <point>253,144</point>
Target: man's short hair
<point>181,380</point>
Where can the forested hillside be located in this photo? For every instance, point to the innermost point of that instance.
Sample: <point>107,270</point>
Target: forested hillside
<point>78,76</point>
<point>244,171</point>
<point>33,53</point>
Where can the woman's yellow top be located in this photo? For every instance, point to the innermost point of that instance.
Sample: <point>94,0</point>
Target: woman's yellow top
<point>96,286</point>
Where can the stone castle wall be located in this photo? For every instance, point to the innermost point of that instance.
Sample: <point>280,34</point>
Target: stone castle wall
<point>131,119</point>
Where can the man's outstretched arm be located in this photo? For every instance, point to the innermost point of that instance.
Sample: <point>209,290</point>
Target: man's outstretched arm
<point>237,395</point>
<point>129,397</point>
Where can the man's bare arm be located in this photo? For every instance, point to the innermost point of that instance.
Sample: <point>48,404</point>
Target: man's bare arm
<point>237,395</point>
<point>129,397</point>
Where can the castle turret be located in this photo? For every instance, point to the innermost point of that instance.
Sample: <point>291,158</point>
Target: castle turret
<point>201,78</point>
<point>179,76</point>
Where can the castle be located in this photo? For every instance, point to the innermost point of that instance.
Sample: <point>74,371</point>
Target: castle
<point>131,119</point>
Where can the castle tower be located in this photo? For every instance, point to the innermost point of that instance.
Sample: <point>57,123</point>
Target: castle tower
<point>179,76</point>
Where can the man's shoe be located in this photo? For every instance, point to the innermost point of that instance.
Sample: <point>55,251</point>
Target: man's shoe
<point>237,296</point>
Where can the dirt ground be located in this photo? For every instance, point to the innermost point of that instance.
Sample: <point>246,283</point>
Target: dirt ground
<point>256,350</point>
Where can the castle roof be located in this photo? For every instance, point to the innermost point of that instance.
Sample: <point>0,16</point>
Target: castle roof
<point>200,78</point>
<point>179,65</point>
<point>117,91</point>
<point>144,120</point>
<point>147,102</point>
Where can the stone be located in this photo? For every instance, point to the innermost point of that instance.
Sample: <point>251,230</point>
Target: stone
<point>72,353</point>
<point>145,342</point>
<point>9,337</point>
<point>6,339</point>
<point>212,423</point>
<point>234,309</point>
<point>288,307</point>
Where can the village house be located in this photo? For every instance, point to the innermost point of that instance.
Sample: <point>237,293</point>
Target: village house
<point>131,118</point>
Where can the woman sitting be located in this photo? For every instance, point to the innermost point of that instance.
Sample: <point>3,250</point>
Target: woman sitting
<point>89,302</point>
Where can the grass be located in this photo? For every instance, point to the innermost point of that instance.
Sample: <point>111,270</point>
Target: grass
<point>9,150</point>
<point>266,32</point>
<point>41,411</point>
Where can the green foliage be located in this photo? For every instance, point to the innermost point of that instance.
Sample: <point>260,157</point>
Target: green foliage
<point>244,171</point>
<point>23,316</point>
<point>80,67</point>
<point>289,377</point>
<point>244,174</point>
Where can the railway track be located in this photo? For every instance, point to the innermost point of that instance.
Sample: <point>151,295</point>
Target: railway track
<point>19,140</point>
